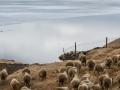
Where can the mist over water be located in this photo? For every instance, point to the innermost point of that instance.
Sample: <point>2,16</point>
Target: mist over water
<point>37,30</point>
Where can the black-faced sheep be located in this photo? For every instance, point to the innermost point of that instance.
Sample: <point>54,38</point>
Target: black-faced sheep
<point>91,65</point>
<point>27,79</point>
<point>42,74</point>
<point>62,79</point>
<point>3,74</point>
<point>15,84</point>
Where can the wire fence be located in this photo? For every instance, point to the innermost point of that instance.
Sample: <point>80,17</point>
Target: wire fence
<point>89,45</point>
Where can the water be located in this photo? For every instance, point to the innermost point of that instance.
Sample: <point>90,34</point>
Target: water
<point>37,30</point>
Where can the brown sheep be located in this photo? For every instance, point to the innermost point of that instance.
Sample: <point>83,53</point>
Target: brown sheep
<point>91,65</point>
<point>42,74</point>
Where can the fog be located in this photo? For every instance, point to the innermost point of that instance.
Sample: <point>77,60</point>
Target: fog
<point>37,30</point>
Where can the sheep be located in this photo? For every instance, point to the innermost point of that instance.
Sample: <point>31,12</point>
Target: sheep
<point>83,86</point>
<point>99,68</point>
<point>88,82</point>
<point>71,73</point>
<point>109,62</point>
<point>91,65</point>
<point>118,80</point>
<point>62,79</point>
<point>15,84</point>
<point>118,64</point>
<point>75,82</point>
<point>62,69</point>
<point>67,68</point>
<point>96,87</point>
<point>25,88</point>
<point>42,74</point>
<point>107,82</point>
<point>27,79</point>
<point>62,88</point>
<point>83,59</point>
<point>115,59</point>
<point>77,64</point>
<point>69,64</point>
<point>26,70</point>
<point>3,74</point>
<point>100,80</point>
<point>85,77</point>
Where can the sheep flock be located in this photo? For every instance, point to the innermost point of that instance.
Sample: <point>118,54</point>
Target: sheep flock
<point>81,74</point>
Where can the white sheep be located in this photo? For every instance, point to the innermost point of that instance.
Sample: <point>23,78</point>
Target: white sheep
<point>3,74</point>
<point>75,82</point>
<point>15,84</point>
<point>71,73</point>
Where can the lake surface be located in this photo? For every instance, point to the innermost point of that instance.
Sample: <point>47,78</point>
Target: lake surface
<point>37,30</point>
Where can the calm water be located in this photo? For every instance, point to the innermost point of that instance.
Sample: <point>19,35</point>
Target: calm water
<point>37,30</point>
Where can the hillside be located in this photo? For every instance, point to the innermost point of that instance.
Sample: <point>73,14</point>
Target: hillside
<point>99,54</point>
<point>102,53</point>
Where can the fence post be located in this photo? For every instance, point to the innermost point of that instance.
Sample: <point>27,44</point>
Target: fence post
<point>106,42</point>
<point>63,51</point>
<point>75,50</point>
